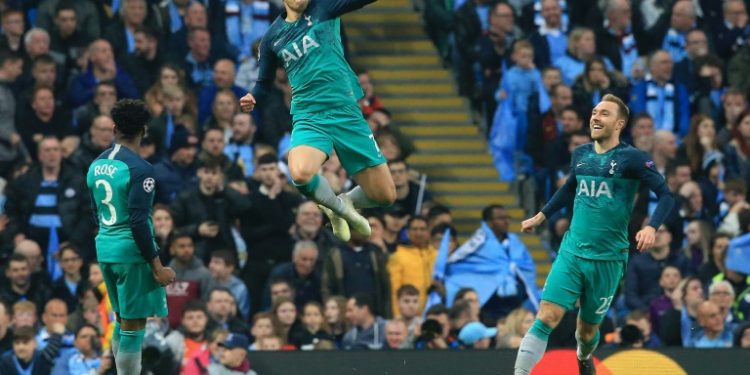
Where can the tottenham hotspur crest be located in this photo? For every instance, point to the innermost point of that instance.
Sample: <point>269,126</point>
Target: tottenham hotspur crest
<point>612,164</point>
<point>308,18</point>
<point>148,185</point>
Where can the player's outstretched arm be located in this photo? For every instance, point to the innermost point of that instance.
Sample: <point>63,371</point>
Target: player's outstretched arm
<point>267,63</point>
<point>648,174</point>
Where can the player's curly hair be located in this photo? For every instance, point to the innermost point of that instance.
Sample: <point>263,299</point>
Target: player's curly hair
<point>130,117</point>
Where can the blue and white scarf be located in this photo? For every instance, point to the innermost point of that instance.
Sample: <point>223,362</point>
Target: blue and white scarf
<point>246,23</point>
<point>674,42</point>
<point>660,104</point>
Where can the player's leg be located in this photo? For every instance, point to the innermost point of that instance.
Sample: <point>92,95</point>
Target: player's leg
<point>560,293</point>
<point>128,359</point>
<point>110,280</point>
<point>600,285</point>
<point>140,296</point>
<point>375,187</point>
<point>304,164</point>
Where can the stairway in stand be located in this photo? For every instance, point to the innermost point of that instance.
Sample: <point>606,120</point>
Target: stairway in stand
<point>388,39</point>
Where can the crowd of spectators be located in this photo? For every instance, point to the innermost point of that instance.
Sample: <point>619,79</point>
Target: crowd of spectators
<point>534,69</point>
<point>257,268</point>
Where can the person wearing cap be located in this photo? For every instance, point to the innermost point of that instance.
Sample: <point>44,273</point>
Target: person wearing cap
<point>177,172</point>
<point>25,358</point>
<point>476,335</point>
<point>233,357</point>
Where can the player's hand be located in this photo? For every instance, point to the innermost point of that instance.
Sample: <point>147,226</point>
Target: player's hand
<point>247,103</point>
<point>645,238</point>
<point>527,226</point>
<point>165,276</point>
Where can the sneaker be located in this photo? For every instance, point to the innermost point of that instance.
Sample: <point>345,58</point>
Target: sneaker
<point>338,224</point>
<point>357,221</point>
<point>586,366</point>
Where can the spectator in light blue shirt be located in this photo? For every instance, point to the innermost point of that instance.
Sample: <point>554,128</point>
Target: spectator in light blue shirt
<point>714,333</point>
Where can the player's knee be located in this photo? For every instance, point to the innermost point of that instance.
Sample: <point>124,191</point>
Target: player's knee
<point>550,316</point>
<point>386,196</point>
<point>300,174</point>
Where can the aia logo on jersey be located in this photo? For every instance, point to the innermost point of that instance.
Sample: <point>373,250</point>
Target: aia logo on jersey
<point>148,185</point>
<point>592,189</point>
<point>297,51</point>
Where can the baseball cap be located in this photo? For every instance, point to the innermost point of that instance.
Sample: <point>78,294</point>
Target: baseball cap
<point>181,138</point>
<point>236,340</point>
<point>475,331</point>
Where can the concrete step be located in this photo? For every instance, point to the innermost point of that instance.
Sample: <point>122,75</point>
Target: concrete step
<point>469,187</point>
<point>407,47</point>
<point>381,19</point>
<point>409,75</point>
<point>423,89</point>
<point>364,32</point>
<point>451,145</point>
<point>446,131</point>
<point>431,117</point>
<point>391,61</point>
<point>476,201</point>
<point>469,173</point>
<point>417,103</point>
<point>452,160</point>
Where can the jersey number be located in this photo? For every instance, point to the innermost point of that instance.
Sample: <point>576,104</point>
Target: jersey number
<point>375,142</point>
<point>605,305</point>
<point>107,201</point>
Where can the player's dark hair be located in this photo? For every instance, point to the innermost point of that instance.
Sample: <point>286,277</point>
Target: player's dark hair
<point>361,300</point>
<point>130,117</point>
<point>623,113</point>
<point>438,309</point>
<point>226,255</point>
<point>440,228</point>
<point>407,290</point>
<point>267,159</point>
<point>194,305</point>
<point>416,218</point>
<point>487,211</point>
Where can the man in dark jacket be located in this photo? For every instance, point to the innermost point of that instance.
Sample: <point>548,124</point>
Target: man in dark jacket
<point>265,227</point>
<point>644,270</point>
<point>177,173</point>
<point>49,204</point>
<point>358,267</point>
<point>98,138</point>
<point>302,273</point>
<point>206,211</point>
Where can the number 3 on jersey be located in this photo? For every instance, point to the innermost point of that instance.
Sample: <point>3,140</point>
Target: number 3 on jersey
<point>107,201</point>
